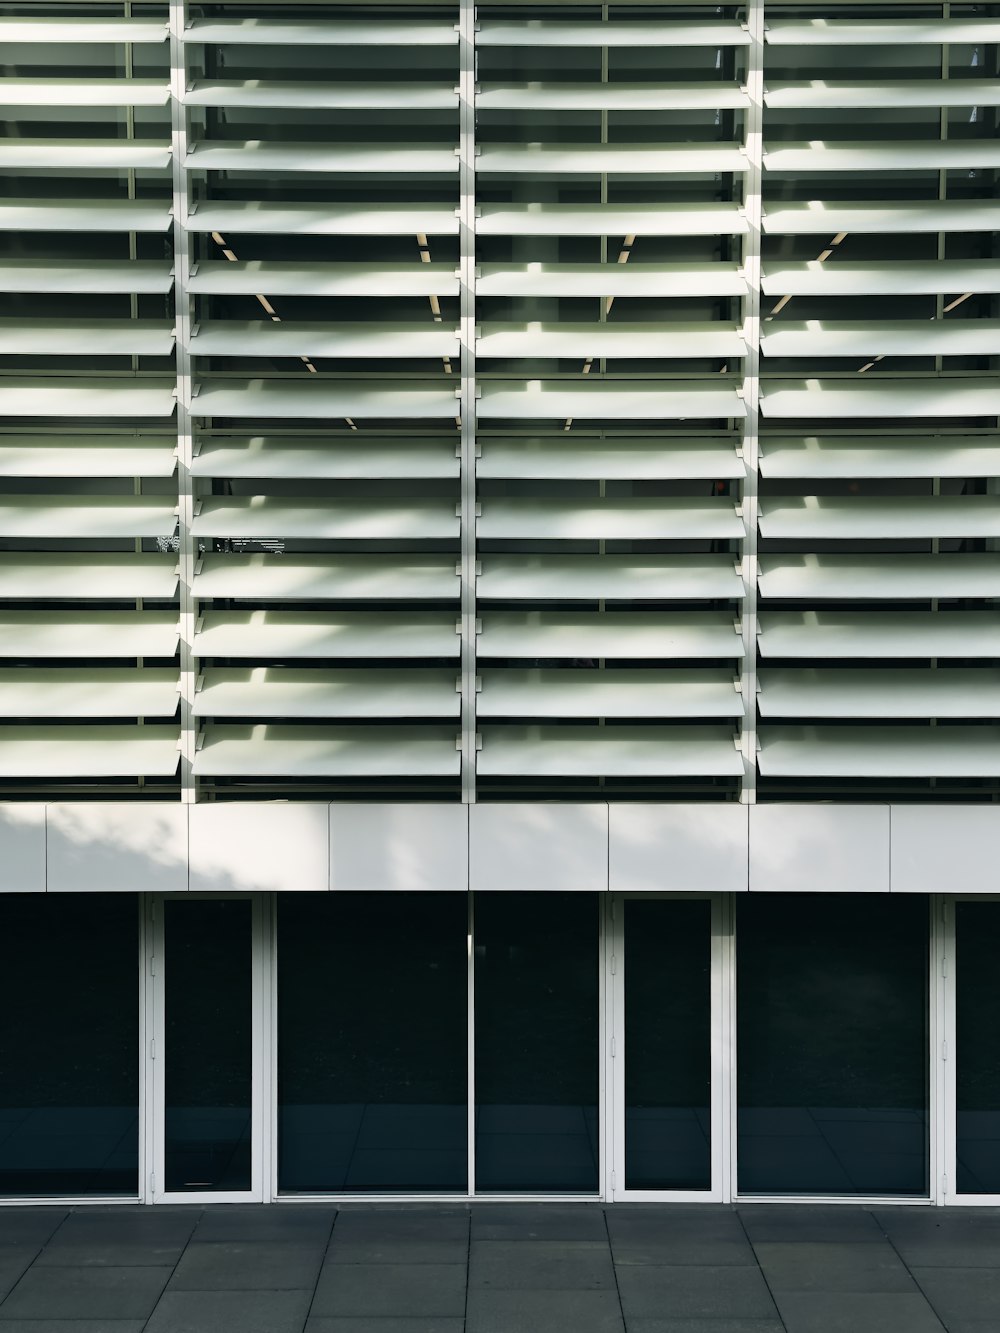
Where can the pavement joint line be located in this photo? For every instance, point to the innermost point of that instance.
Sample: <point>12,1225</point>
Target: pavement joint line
<point>173,1267</point>
<point>614,1266</point>
<point>760,1269</point>
<point>913,1277</point>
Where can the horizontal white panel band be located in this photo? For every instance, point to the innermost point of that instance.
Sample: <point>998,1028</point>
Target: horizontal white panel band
<point>31,577</point>
<point>880,518</point>
<point>896,337</point>
<point>275,279</point>
<point>16,92</point>
<point>332,96</point>
<point>613,159</point>
<point>581,458</point>
<point>312,751</point>
<point>287,219</point>
<point>81,215</point>
<point>881,456</point>
<point>88,692</point>
<point>87,516</point>
<point>636,519</point>
<point>417,692</point>
<point>88,634</point>
<point>257,155</point>
<point>828,217</point>
<point>308,398</point>
<point>638,341</point>
<point>945,692</point>
<point>625,577</point>
<point>644,280</point>
<point>84,154</point>
<point>832,634</point>
<point>325,634</point>
<point>80,337</point>
<point>896,155</point>
<point>881,397</point>
<point>266,516</point>
<point>881,278</point>
<point>88,752</point>
<point>611,97</point>
<point>608,693</point>
<point>880,32</point>
<point>878,578</point>
<point>325,577</point>
<point>609,635</point>
<point>81,30</point>
<point>610,220</point>
<point>833,94</point>
<point>290,457</point>
<point>609,752</point>
<point>880,752</point>
<point>86,398</point>
<point>87,456</point>
<point>554,32</point>
<point>294,338</point>
<point>37,275</point>
<point>273,31</point>
<point>676,401</point>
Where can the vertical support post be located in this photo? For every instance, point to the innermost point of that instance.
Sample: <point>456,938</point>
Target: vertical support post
<point>751,390</point>
<point>185,438</point>
<point>467,392</point>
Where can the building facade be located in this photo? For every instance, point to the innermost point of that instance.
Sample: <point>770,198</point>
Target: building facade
<point>498,572</point>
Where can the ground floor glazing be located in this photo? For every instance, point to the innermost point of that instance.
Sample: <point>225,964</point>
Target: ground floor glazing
<point>254,1047</point>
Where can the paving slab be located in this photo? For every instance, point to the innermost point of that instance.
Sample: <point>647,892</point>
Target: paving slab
<point>553,1265</point>
<point>945,1238</point>
<point>529,1222</point>
<point>30,1226</point>
<point>87,1293</point>
<point>371,1250</point>
<point>298,1222</point>
<point>808,1223</point>
<point>834,1267</point>
<point>856,1312</point>
<point>705,1326</point>
<point>72,1325</point>
<point>14,1262</point>
<point>551,1311</point>
<point>248,1266</point>
<point>389,1324</point>
<point>228,1312</point>
<point>702,1292</point>
<point>962,1293</point>
<point>390,1289</point>
<point>402,1223</point>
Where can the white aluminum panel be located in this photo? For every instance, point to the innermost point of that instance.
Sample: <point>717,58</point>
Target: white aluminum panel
<point>309,398</point>
<point>635,519</point>
<point>83,154</point>
<point>88,634</point>
<point>650,340</point>
<point>290,338</point>
<point>583,577</point>
<point>134,275</point>
<point>962,692</point>
<point>823,94</point>
<point>835,634</point>
<point>881,456</point>
<point>607,693</point>
<point>880,518</point>
<point>880,32</point>
<point>289,219</point>
<point>611,635</point>
<point>86,456</point>
<point>269,456</point>
<point>883,398</point>
<point>319,752</point>
<point>83,93</point>
<point>256,846</point>
<point>332,96</point>
<point>945,849</point>
<point>880,752</point>
<point>890,277</point>
<point>677,848</point>
<point>88,692</point>
<point>273,31</point>
<point>610,220</point>
<point>117,847</point>
<point>268,516</point>
<point>257,578</point>
<point>81,337</point>
<point>278,279</point>
<point>821,217</point>
<point>935,337</point>
<point>706,751</point>
<point>545,32</point>
<point>86,398</point>
<point>88,752</point>
<point>642,280</point>
<point>702,159</point>
<point>579,458</point>
<point>88,517</point>
<point>406,848</point>
<point>896,155</point>
<point>282,634</point>
<point>677,401</point>
<point>259,155</point>
<point>280,692</point>
<point>22,847</point>
<point>611,97</point>
<point>81,215</point>
<point>538,848</point>
<point>815,577</point>
<point>81,30</point>
<point>819,848</point>
<point>31,576</point>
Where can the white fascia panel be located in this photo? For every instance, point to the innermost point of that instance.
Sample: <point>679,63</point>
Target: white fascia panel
<point>538,848</point>
<point>259,217</point>
<point>677,401</point>
<point>325,577</point>
<point>30,576</point>
<point>258,155</point>
<point>88,692</point>
<point>607,693</point>
<point>286,692</point>
<point>319,32</point>
<point>880,752</point>
<point>22,847</point>
<point>841,400</point>
<point>80,337</point>
<point>267,94</point>
<point>611,97</point>
<point>677,848</point>
<point>922,277</point>
<point>312,751</point>
<point>653,340</point>
<point>627,577</point>
<point>581,458</point>
<point>266,516</point>
<point>278,279</point>
<point>119,847</point>
<point>87,456</point>
<point>944,848</point>
<point>81,30</point>
<point>621,635</point>
<point>641,280</point>
<point>818,456</point>
<point>91,634</point>
<point>246,846</point>
<point>16,93</point>
<point>292,458</point>
<point>647,751</point>
<point>88,752</point>
<point>967,692</point>
<point>821,217</point>
<point>822,94</point>
<point>413,847</point>
<point>819,848</point>
<point>878,577</point>
<point>545,32</point>
<point>636,519</point>
<point>84,154</point>
<point>612,159</point>
<point>883,518</point>
<point>897,155</point>
<point>935,337</point>
<point>282,634</point>
<point>610,220</point>
<point>73,397</point>
<point>827,634</point>
<point>880,32</point>
<point>88,516</point>
<point>289,338</point>
<point>36,275</point>
<point>311,398</point>
<point>84,215</point>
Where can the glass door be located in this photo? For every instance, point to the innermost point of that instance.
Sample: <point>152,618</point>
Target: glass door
<point>207,1056</point>
<point>667,1000</point>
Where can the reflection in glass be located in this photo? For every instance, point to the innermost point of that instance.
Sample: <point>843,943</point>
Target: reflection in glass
<point>208,1037</point>
<point>372,1042</point>
<point>536,1005</point>
<point>977,998</point>
<point>69,1044</point>
<point>668,1034</point>
<point>832,1013</point>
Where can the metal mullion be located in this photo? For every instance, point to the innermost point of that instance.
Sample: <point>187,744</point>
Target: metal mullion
<point>467,394</point>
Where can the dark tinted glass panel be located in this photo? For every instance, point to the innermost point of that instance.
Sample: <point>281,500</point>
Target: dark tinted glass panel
<point>69,1044</point>
<point>208,1044</point>
<point>536,1018</point>
<point>668,1034</point>
<point>832,1044</point>
<point>372,1042</point>
<point>978,1068</point>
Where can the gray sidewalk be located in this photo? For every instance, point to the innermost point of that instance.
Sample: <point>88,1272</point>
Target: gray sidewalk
<point>500,1268</point>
